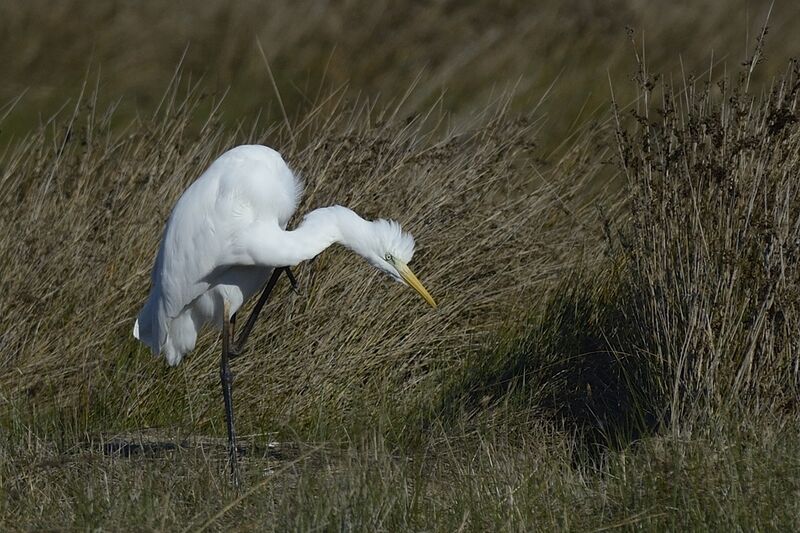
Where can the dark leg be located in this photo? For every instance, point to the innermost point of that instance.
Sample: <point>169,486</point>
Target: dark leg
<point>292,280</point>
<point>262,300</point>
<point>227,381</point>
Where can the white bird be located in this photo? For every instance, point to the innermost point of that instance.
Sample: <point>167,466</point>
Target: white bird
<point>226,236</point>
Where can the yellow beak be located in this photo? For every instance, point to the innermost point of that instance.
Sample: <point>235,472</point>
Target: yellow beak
<point>412,280</point>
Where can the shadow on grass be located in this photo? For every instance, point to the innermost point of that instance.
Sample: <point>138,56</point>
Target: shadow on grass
<point>153,445</point>
<point>566,365</point>
<point>127,448</point>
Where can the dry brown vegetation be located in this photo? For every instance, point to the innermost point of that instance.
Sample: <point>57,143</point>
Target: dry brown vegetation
<point>492,227</point>
<point>617,342</point>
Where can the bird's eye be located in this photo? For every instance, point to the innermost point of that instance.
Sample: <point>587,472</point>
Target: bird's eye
<point>388,257</point>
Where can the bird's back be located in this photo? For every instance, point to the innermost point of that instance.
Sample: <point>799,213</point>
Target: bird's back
<point>246,185</point>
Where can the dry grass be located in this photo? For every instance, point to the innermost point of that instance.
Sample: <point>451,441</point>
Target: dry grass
<point>616,346</point>
<point>713,240</point>
<point>492,224</point>
<point>691,319</point>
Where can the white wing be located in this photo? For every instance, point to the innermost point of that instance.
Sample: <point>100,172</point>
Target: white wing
<point>245,186</point>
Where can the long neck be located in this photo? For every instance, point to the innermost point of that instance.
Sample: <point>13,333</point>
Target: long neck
<point>321,228</point>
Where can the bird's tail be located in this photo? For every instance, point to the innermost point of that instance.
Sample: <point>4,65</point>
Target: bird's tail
<point>143,327</point>
<point>172,338</point>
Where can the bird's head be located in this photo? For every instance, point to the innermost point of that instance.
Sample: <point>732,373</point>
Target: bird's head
<point>390,249</point>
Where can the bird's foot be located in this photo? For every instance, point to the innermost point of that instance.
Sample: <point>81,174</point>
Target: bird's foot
<point>235,351</point>
<point>293,282</point>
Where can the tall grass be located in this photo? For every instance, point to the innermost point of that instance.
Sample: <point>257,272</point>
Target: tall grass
<point>616,346</point>
<point>493,227</point>
<point>692,317</point>
<point>713,239</point>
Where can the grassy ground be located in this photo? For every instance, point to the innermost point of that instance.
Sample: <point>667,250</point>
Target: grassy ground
<point>617,341</point>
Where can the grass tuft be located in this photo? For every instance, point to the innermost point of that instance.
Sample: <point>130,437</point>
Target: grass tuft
<point>616,343</point>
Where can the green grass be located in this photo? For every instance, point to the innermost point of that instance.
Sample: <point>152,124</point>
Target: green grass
<point>616,343</point>
<point>460,55</point>
<point>721,476</point>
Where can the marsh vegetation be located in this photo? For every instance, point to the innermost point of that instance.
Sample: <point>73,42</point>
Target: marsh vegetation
<point>608,218</point>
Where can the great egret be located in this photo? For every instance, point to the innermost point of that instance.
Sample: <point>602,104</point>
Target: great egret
<point>227,235</point>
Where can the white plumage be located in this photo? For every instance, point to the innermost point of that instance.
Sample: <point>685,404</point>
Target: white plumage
<point>228,231</point>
